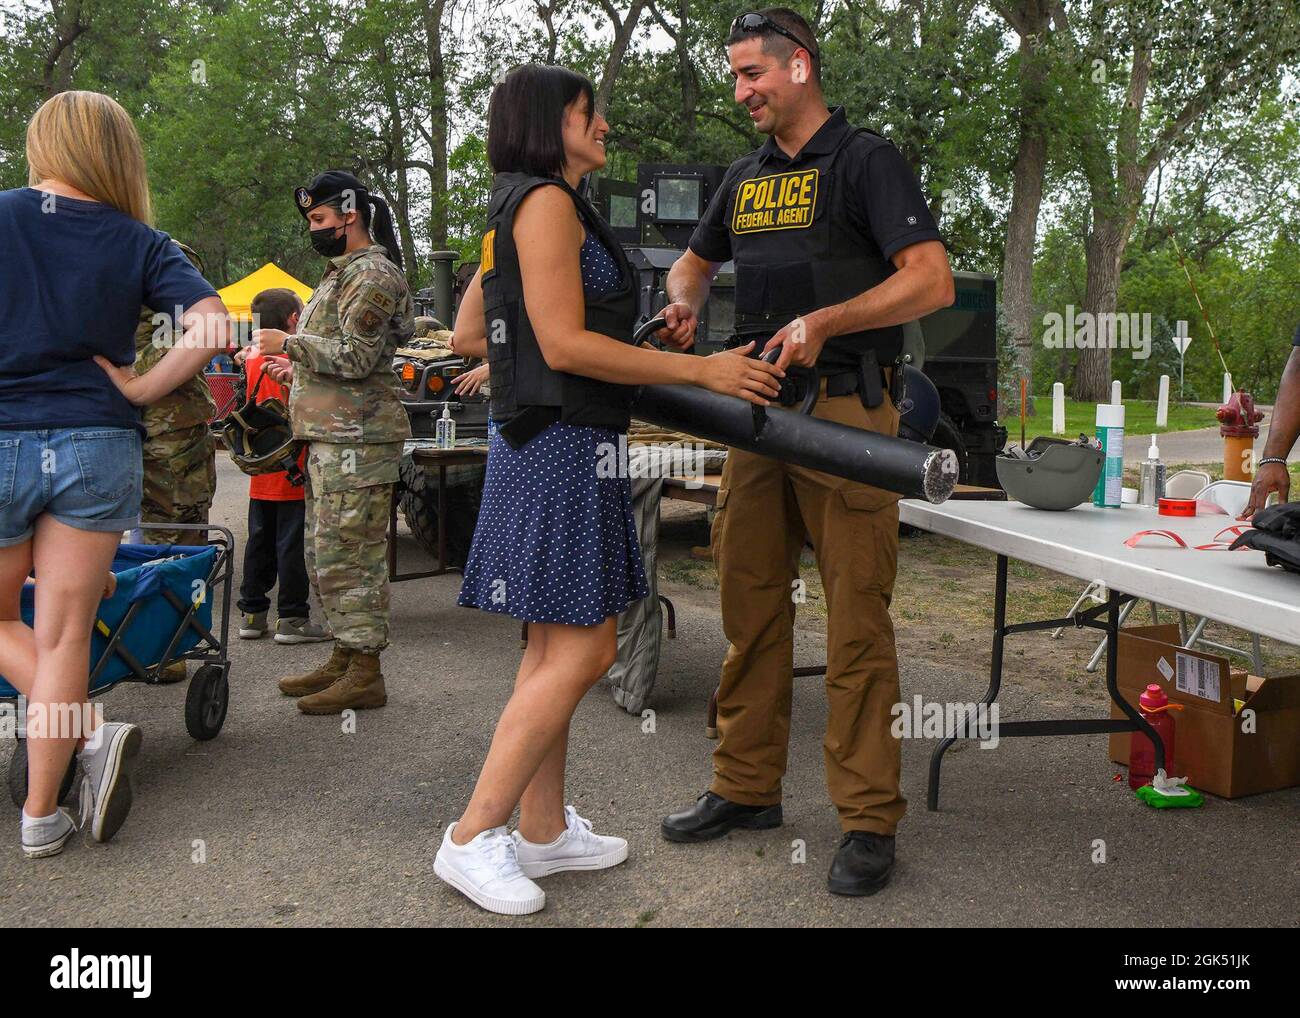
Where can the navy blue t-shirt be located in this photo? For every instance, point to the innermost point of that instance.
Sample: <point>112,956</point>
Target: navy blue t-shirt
<point>72,282</point>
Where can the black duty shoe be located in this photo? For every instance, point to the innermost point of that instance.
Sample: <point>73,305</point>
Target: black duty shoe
<point>863,864</point>
<point>712,816</point>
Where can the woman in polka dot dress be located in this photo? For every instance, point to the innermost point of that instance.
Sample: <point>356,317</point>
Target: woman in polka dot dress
<point>555,542</point>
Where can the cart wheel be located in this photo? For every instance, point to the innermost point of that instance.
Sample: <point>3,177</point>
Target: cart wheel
<point>206,702</point>
<point>18,776</point>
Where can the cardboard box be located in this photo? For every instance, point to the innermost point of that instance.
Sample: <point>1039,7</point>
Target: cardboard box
<point>1214,744</point>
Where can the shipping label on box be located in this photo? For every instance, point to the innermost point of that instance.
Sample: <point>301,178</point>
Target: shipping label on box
<point>1198,676</point>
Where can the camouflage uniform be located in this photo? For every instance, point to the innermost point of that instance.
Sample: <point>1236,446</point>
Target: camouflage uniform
<point>344,402</point>
<point>180,469</point>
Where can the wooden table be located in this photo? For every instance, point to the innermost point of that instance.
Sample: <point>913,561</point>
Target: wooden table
<point>428,456</point>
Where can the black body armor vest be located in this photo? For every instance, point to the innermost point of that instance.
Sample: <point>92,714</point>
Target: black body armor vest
<point>525,390</point>
<point>796,250</point>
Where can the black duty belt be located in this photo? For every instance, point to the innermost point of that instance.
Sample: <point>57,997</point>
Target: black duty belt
<point>867,380</point>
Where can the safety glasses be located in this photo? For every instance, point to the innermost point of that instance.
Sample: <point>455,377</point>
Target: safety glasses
<point>760,23</point>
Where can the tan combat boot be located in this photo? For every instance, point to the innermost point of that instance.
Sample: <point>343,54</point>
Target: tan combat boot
<point>319,678</point>
<point>361,686</point>
<point>174,672</point>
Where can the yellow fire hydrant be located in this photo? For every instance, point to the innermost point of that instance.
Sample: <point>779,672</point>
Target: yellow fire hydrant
<point>1239,426</point>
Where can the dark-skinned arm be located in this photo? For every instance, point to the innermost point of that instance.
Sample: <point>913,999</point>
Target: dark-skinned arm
<point>1283,430</point>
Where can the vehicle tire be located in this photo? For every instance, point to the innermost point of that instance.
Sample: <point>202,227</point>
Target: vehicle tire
<point>206,702</point>
<point>18,776</point>
<point>946,436</point>
<point>419,504</point>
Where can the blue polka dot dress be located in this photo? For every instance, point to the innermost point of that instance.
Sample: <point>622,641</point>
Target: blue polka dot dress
<point>555,539</point>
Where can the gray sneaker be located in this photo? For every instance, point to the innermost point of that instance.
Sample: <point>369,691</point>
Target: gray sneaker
<point>300,631</point>
<point>48,835</point>
<point>106,788</point>
<point>252,626</point>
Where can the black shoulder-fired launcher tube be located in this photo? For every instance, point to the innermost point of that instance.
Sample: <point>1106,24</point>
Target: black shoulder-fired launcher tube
<point>907,468</point>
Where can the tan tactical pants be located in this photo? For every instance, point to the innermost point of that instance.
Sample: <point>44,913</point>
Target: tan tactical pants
<point>764,509</point>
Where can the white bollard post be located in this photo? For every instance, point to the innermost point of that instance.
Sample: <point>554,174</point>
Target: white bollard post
<point>1058,408</point>
<point>1162,403</point>
<point>1116,397</point>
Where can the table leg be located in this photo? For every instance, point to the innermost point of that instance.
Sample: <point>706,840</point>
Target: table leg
<point>442,518</point>
<point>1113,618</point>
<point>995,680</point>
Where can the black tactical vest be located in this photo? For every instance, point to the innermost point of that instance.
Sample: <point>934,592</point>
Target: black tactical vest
<point>521,378</point>
<point>796,250</point>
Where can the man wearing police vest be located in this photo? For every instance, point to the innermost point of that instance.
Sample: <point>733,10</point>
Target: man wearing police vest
<point>834,249</point>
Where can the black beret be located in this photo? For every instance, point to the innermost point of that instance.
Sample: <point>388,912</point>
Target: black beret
<point>328,188</point>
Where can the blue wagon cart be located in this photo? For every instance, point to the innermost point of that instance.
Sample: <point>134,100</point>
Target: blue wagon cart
<point>161,612</point>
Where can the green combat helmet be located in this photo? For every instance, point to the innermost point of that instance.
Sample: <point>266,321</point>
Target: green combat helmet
<point>1052,473</point>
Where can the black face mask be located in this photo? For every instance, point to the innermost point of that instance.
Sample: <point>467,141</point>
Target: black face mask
<point>324,242</point>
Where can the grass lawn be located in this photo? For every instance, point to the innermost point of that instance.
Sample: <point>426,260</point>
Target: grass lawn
<point>1139,419</point>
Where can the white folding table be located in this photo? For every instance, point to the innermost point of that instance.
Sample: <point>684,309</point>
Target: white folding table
<point>1235,588</point>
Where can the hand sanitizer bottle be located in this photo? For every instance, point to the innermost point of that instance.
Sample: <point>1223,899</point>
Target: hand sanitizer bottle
<point>1151,483</point>
<point>445,433</point>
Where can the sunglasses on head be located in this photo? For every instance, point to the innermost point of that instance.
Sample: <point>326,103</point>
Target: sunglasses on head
<point>761,23</point>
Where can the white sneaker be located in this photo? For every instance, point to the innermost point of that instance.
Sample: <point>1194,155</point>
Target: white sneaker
<point>576,849</point>
<point>106,788</point>
<point>486,872</point>
<point>46,836</point>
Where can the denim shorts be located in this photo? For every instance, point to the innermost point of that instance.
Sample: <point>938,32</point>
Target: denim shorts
<point>88,478</point>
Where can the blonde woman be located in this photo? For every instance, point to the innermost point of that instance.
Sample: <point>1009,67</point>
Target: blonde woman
<point>79,259</point>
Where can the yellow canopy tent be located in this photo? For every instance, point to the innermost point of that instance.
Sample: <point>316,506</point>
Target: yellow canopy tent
<point>237,296</point>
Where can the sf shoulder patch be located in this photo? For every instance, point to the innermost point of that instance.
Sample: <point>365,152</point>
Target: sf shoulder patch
<point>379,298</point>
<point>782,201</point>
<point>487,255</point>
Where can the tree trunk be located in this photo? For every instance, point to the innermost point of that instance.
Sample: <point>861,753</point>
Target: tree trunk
<point>1026,191</point>
<point>686,74</point>
<point>622,38</point>
<point>60,61</point>
<point>433,12</point>
<point>1103,249</point>
<point>1116,199</point>
<point>401,199</point>
<point>546,11</point>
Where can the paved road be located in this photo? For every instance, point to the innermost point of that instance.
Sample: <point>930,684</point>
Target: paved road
<point>299,823</point>
<point>1200,445</point>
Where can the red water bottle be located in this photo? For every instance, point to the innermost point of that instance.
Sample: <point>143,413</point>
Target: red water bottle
<point>1155,708</point>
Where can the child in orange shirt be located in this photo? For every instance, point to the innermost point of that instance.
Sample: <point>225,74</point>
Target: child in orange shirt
<point>276,512</point>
